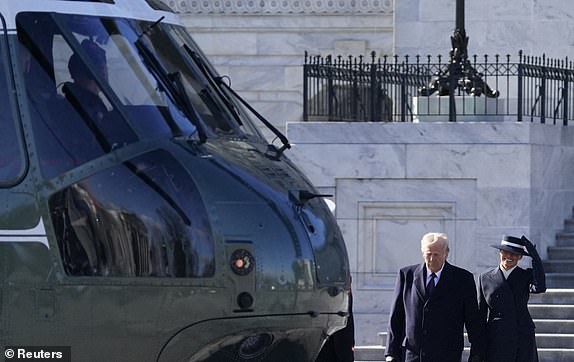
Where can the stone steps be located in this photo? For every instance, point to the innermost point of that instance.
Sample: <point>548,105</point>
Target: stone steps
<point>560,280</point>
<point>551,311</point>
<point>562,266</point>
<point>559,266</point>
<point>569,224</point>
<point>565,238</point>
<point>377,353</point>
<point>553,296</point>
<point>560,252</point>
<point>563,341</point>
<point>554,326</point>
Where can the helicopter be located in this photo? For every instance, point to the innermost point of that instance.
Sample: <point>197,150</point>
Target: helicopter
<point>143,216</point>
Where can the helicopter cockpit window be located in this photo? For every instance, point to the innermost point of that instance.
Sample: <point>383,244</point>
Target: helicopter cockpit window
<point>70,128</point>
<point>89,91</point>
<point>144,218</point>
<point>242,117</point>
<point>203,97</point>
<point>149,80</point>
<point>11,154</point>
<point>97,84</point>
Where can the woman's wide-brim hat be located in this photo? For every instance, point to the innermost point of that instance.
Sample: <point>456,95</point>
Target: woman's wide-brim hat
<point>512,245</point>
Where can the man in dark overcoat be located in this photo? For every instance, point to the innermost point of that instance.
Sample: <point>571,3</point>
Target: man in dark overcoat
<point>504,293</point>
<point>431,305</point>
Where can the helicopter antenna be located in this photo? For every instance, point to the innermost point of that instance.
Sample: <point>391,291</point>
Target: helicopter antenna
<point>149,28</point>
<point>301,197</point>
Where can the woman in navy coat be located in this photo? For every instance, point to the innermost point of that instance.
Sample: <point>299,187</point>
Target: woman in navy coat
<point>503,302</point>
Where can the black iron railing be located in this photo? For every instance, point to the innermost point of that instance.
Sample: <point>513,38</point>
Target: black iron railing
<point>535,89</point>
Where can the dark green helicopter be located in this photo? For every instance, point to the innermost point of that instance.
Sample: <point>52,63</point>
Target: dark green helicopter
<point>142,215</point>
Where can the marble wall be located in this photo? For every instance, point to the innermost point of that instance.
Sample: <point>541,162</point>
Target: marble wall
<point>393,182</point>
<point>261,45</point>
<point>494,27</point>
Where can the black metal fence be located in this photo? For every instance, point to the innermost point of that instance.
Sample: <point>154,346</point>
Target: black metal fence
<point>534,89</point>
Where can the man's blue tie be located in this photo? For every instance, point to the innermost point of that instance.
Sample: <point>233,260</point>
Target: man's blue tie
<point>431,285</point>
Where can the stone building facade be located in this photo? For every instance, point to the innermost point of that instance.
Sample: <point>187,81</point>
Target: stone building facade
<point>261,44</point>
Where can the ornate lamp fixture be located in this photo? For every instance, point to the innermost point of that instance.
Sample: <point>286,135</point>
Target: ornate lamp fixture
<point>458,73</point>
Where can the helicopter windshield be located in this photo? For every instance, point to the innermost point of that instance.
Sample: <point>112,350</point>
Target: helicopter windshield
<point>239,113</point>
<point>97,84</point>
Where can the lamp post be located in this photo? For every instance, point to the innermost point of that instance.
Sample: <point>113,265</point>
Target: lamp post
<point>458,73</point>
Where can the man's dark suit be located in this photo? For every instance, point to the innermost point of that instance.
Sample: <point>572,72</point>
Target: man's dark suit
<point>432,330</point>
<point>504,305</point>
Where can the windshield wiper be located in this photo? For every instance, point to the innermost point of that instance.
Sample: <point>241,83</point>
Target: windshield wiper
<point>281,136</point>
<point>172,86</point>
<point>212,82</point>
<point>219,81</point>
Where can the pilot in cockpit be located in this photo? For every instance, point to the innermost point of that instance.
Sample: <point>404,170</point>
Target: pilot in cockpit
<point>84,92</point>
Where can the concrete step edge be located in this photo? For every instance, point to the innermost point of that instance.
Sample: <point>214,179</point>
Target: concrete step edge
<point>554,325</point>
<point>378,347</point>
<point>560,275</point>
<point>557,335</point>
<point>554,261</point>
<point>376,351</point>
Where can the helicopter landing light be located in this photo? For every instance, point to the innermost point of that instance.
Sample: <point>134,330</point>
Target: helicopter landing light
<point>244,300</point>
<point>242,262</point>
<point>254,346</point>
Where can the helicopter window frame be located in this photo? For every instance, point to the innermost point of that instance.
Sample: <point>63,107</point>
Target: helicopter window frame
<point>223,123</point>
<point>63,138</point>
<point>13,169</point>
<point>246,124</point>
<point>186,100</point>
<point>123,34</point>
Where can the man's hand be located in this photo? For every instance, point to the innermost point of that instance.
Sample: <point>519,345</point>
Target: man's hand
<point>390,359</point>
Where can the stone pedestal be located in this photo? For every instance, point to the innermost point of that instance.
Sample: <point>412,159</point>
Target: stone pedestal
<point>468,109</point>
